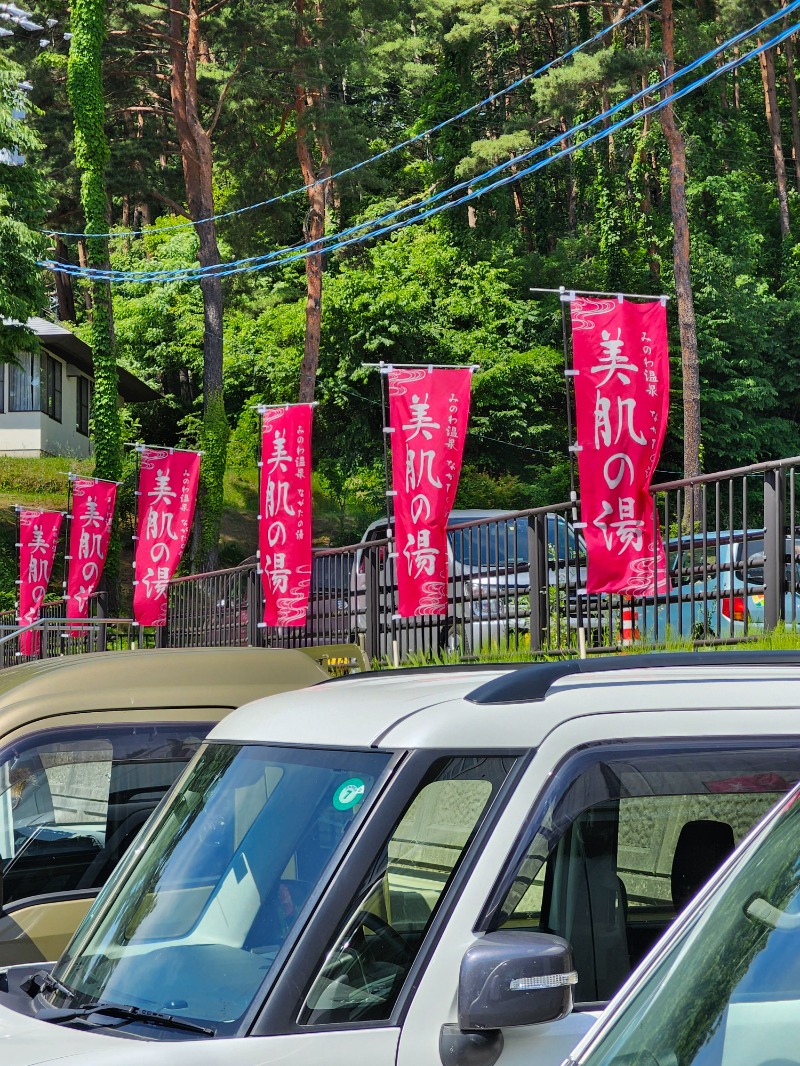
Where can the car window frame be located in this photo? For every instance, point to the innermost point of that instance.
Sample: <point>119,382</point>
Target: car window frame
<point>278,1002</point>
<point>570,767</point>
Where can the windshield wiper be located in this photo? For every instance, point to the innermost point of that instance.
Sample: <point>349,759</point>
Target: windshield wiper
<point>62,1015</point>
<point>43,981</point>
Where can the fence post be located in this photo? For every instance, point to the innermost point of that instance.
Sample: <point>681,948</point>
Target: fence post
<point>774,547</point>
<point>538,575</point>
<point>371,603</point>
<point>253,608</point>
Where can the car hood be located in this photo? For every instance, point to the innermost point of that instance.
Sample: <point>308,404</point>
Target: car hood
<point>26,1041</point>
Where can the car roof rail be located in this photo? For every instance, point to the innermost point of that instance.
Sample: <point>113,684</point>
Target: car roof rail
<point>532,683</point>
<point>411,671</point>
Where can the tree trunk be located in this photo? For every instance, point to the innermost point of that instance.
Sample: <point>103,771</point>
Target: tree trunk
<point>795,111</point>
<point>83,261</point>
<point>85,91</point>
<point>572,184</point>
<point>313,230</point>
<point>197,159</point>
<point>767,63</point>
<point>308,104</point>
<point>690,360</point>
<point>64,293</point>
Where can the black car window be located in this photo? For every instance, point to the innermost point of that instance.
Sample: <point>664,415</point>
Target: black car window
<point>72,800</point>
<point>628,840</point>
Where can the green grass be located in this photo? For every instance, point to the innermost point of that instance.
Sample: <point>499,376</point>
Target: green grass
<point>782,638</point>
<point>38,482</point>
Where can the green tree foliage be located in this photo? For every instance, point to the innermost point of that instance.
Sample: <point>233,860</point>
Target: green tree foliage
<point>22,209</point>
<point>455,289</point>
<point>85,87</point>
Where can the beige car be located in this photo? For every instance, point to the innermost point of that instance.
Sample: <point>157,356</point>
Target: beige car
<point>88,747</point>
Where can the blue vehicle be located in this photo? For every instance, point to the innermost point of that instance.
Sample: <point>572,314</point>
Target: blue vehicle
<point>717,588</point>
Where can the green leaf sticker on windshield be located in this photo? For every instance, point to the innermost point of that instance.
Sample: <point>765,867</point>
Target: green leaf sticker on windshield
<point>349,794</point>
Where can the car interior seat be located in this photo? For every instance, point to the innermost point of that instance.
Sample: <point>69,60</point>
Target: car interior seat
<point>585,902</point>
<point>702,847</point>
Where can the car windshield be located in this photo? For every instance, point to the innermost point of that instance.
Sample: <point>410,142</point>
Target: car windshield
<point>727,992</point>
<point>193,925</point>
<point>505,542</point>
<point>496,544</point>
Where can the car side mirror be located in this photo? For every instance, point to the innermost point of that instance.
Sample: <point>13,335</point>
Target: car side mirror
<point>508,978</point>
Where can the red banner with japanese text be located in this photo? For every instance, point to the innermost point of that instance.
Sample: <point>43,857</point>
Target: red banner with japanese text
<point>284,527</point>
<point>38,539</point>
<point>621,363</point>
<point>91,516</point>
<point>428,414</point>
<point>167,493</point>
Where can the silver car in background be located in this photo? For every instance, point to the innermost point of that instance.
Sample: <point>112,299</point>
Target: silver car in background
<point>489,583</point>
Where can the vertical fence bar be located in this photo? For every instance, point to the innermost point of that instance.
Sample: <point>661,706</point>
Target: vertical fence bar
<point>774,547</point>
<point>792,553</point>
<point>537,571</point>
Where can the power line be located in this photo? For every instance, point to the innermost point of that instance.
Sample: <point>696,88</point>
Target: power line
<point>380,155</point>
<point>281,256</point>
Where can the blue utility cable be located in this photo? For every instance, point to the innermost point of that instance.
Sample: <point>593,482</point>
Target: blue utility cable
<point>596,138</point>
<point>289,254</point>
<point>381,155</point>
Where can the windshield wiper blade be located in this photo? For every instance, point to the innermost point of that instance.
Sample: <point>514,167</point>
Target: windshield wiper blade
<point>62,1015</point>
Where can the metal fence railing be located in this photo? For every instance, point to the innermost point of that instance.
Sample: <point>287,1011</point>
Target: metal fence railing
<point>730,569</point>
<point>54,635</point>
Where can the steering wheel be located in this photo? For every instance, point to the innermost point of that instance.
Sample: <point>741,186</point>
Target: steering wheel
<point>385,932</point>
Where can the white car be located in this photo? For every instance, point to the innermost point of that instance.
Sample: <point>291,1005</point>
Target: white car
<point>488,585</point>
<point>417,868</point>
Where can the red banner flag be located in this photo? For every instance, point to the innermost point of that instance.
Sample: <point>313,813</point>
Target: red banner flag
<point>38,538</point>
<point>428,413</point>
<point>92,513</point>
<point>284,520</point>
<point>622,400</point>
<point>167,493</point>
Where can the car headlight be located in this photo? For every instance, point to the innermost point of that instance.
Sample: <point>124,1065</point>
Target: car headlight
<point>485,602</point>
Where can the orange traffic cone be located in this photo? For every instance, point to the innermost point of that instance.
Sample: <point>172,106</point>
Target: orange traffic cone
<point>629,627</point>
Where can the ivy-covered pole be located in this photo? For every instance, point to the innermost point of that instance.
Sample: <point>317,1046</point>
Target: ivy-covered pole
<point>85,88</point>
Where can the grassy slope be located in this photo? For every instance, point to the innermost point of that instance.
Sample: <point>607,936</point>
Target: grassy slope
<point>38,483</point>
<point>336,522</point>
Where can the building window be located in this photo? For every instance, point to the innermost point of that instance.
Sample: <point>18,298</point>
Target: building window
<point>2,387</point>
<point>51,394</point>
<point>23,383</point>
<point>84,405</point>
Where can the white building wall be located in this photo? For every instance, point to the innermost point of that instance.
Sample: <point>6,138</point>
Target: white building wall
<point>32,433</point>
<point>21,433</point>
<point>62,438</point>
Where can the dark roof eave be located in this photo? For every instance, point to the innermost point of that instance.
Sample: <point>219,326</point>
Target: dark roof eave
<point>77,352</point>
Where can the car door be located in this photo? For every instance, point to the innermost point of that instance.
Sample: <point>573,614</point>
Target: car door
<point>622,835</point>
